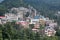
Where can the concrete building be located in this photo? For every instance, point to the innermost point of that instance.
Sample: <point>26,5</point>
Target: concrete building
<point>53,25</point>
<point>2,19</point>
<point>24,24</point>
<point>11,17</point>
<point>33,21</point>
<point>49,31</point>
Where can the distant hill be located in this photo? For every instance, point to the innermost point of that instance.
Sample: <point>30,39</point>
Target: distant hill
<point>12,3</point>
<point>46,7</point>
<point>52,4</point>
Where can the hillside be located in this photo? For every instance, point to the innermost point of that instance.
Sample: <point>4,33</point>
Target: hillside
<point>19,21</point>
<point>45,7</point>
<point>7,4</point>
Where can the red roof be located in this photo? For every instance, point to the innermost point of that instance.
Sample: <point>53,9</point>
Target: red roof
<point>22,23</point>
<point>2,16</point>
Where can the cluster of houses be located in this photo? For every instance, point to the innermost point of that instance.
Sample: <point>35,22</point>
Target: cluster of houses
<point>28,16</point>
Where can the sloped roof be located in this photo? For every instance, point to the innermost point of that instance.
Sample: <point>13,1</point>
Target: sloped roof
<point>36,17</point>
<point>2,16</point>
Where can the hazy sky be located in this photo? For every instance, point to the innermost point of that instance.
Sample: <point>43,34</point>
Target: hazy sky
<point>1,0</point>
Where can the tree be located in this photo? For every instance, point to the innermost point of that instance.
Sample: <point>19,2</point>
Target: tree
<point>58,32</point>
<point>37,37</point>
<point>3,9</point>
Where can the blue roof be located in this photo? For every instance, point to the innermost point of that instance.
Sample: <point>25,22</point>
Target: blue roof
<point>36,17</point>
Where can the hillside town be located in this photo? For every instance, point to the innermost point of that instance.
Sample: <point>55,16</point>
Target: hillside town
<point>28,16</point>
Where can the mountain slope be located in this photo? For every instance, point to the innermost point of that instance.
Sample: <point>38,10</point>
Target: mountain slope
<point>45,7</point>
<point>52,4</point>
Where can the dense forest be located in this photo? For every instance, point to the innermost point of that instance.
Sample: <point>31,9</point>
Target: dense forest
<point>12,31</point>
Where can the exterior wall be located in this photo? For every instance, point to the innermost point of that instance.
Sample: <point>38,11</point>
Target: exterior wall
<point>53,24</point>
<point>33,21</point>
<point>35,30</point>
<point>11,17</point>
<point>42,22</point>
<point>50,32</point>
<point>24,24</point>
<point>0,21</point>
<point>37,26</point>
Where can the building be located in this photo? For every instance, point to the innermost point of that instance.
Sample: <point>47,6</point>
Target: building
<point>2,19</point>
<point>53,25</point>
<point>24,24</point>
<point>49,31</point>
<point>35,30</point>
<point>48,22</point>
<point>42,22</point>
<point>11,17</point>
<point>36,26</point>
<point>33,21</point>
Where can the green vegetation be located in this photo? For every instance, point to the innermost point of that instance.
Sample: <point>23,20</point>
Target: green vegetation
<point>58,32</point>
<point>46,8</point>
<point>3,9</point>
<point>7,4</point>
<point>13,31</point>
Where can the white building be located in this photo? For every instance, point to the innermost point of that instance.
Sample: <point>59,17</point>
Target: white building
<point>11,17</point>
<point>33,21</point>
<point>49,31</point>
<point>53,25</point>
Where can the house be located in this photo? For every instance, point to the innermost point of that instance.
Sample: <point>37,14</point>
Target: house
<point>35,30</point>
<point>36,17</point>
<point>49,31</point>
<point>2,19</point>
<point>28,19</point>
<point>11,17</point>
<point>34,20</point>
<point>48,22</point>
<point>41,16</point>
<point>42,22</point>
<point>36,26</point>
<point>24,24</point>
<point>53,25</point>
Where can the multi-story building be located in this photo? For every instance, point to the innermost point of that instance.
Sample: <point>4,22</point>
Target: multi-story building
<point>49,31</point>
<point>11,17</point>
